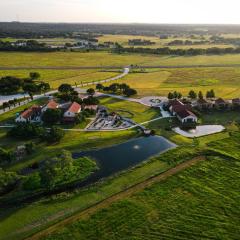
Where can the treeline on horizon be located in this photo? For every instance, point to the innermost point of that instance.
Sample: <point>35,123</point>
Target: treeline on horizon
<point>178,52</point>
<point>38,30</point>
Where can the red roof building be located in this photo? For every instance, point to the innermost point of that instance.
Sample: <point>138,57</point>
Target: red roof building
<point>73,110</point>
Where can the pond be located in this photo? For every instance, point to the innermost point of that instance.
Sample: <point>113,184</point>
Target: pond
<point>112,160</point>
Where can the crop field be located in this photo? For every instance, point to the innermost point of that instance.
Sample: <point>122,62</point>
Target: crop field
<point>26,219</point>
<point>200,202</point>
<point>225,81</point>
<point>160,43</point>
<point>56,77</point>
<point>103,58</point>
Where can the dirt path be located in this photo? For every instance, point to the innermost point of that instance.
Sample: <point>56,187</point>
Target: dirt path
<point>116,197</point>
<point>117,67</point>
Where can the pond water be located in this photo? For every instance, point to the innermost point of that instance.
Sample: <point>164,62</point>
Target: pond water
<point>123,156</point>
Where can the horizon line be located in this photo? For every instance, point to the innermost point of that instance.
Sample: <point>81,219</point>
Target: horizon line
<point>118,23</point>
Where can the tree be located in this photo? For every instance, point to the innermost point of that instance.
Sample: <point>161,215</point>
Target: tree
<point>34,75</point>
<point>55,135</point>
<point>80,117</point>
<point>129,92</point>
<point>43,87</point>
<point>65,88</point>
<point>30,147</point>
<point>212,93</point>
<point>192,95</point>
<point>10,85</point>
<point>200,95</point>
<point>114,87</point>
<point>91,101</point>
<point>48,174</point>
<point>99,87</point>
<point>7,180</point>
<point>90,91</point>
<point>179,95</point>
<point>32,182</point>
<point>51,116</point>
<point>30,88</point>
<point>56,170</point>
<point>26,131</point>
<point>123,86</point>
<point>175,94</point>
<point>170,95</point>
<point>6,156</point>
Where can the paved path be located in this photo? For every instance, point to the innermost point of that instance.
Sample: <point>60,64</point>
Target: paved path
<point>86,213</point>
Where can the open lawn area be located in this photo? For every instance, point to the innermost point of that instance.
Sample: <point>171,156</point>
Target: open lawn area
<point>132,110</point>
<point>225,81</point>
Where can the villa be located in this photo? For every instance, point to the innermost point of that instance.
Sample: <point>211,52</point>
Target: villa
<point>31,115</point>
<point>50,105</point>
<point>73,110</point>
<point>182,111</point>
<point>186,116</point>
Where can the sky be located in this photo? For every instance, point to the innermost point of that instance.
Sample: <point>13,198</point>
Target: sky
<point>122,11</point>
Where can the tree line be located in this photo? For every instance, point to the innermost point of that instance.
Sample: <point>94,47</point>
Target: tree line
<point>26,46</point>
<point>120,88</point>
<point>178,52</point>
<point>192,94</point>
<point>31,84</point>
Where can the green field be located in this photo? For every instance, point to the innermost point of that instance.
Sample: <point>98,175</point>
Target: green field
<point>225,81</point>
<point>17,223</point>
<point>201,202</point>
<point>56,77</point>
<point>20,222</point>
<point>101,58</point>
<point>135,111</point>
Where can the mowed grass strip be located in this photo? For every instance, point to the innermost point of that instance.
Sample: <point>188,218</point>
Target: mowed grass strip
<point>200,202</point>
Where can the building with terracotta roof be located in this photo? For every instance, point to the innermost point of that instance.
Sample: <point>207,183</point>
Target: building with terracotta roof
<point>50,105</point>
<point>203,104</point>
<point>221,103</point>
<point>73,110</point>
<point>32,114</point>
<point>182,111</point>
<point>186,116</point>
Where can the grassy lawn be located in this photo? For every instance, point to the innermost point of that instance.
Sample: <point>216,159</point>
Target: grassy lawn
<point>56,77</point>
<point>201,202</point>
<point>225,81</point>
<point>14,59</point>
<point>135,111</point>
<point>40,214</point>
